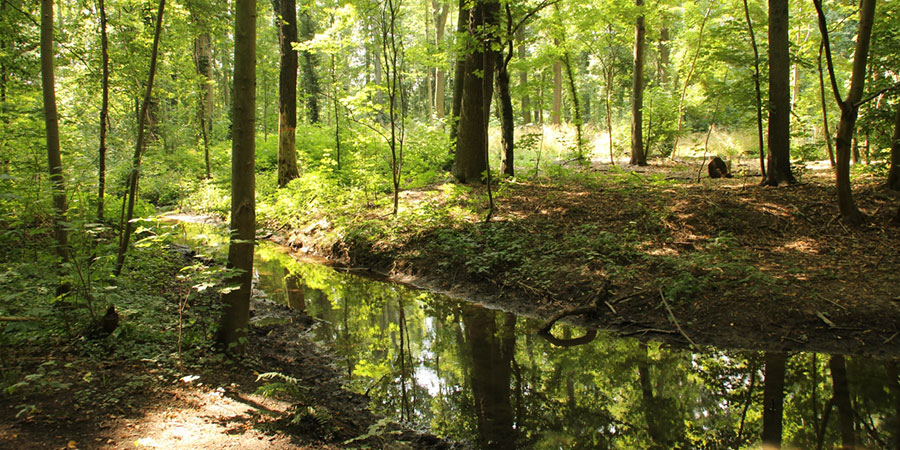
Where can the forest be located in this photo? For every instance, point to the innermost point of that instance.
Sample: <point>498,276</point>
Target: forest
<point>449,224</point>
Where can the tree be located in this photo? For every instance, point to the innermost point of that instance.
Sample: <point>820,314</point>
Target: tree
<point>287,92</point>
<point>849,106</point>
<point>779,134</point>
<point>104,110</point>
<point>440,10</point>
<point>310,78</point>
<point>236,313</point>
<point>459,74</point>
<point>773,399</point>
<point>756,85</point>
<point>51,121</point>
<point>392,52</point>
<point>470,159</point>
<point>893,181</point>
<point>637,90</point>
<point>842,401</point>
<point>134,176</point>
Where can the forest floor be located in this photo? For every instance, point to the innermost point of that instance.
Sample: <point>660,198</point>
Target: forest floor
<point>652,252</point>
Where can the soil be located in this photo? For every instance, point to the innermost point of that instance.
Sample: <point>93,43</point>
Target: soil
<point>824,285</point>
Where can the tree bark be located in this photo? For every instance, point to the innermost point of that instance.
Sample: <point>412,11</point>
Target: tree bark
<point>104,111</point>
<point>893,181</point>
<point>523,80</point>
<point>637,92</point>
<point>507,126</point>
<point>827,132</point>
<point>779,161</point>
<point>203,56</point>
<point>664,52</point>
<point>287,93</point>
<point>849,107</point>
<point>51,122</point>
<point>842,401</point>
<point>139,145</point>
<point>459,75</point>
<point>576,107</point>
<point>236,313</point>
<point>773,400</point>
<point>310,78</point>
<point>556,112</point>
<point>440,12</point>
<point>756,84</point>
<point>470,160</point>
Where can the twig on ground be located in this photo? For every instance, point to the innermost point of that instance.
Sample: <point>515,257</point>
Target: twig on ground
<point>674,320</point>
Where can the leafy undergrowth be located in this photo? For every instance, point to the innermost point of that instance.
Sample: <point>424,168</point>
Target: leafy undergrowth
<point>737,264</point>
<point>156,381</point>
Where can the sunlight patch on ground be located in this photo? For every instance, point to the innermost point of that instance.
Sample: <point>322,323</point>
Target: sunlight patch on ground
<point>801,245</point>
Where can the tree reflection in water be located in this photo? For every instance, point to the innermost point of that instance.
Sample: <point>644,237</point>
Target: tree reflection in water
<point>468,371</point>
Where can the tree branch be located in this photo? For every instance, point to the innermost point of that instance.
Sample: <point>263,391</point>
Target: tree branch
<point>876,94</point>
<point>823,29</point>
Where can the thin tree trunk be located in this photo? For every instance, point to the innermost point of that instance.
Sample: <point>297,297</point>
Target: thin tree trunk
<point>236,313</point>
<point>337,118</point>
<point>824,107</point>
<point>663,60</point>
<point>523,78</point>
<point>139,145</point>
<point>104,111</point>
<point>773,400</point>
<point>756,83</point>
<point>576,107</point>
<point>51,121</point>
<point>507,127</point>
<point>687,80</point>
<point>779,170</point>
<point>637,92</point>
<point>849,107</point>
<point>287,93</point>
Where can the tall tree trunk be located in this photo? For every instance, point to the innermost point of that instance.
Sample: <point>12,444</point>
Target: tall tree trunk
<point>310,78</point>
<point>440,10</point>
<point>756,84</point>
<point>779,170</point>
<point>849,107</point>
<point>827,132</point>
<point>649,402</point>
<point>236,313</point>
<point>773,400</point>
<point>523,79</point>
<point>135,175</point>
<point>664,52</point>
<point>842,401</point>
<point>556,112</point>
<point>104,110</point>
<point>459,75</point>
<point>51,121</point>
<point>576,107</point>
<point>470,160</point>
<point>507,126</point>
<point>637,92</point>
<point>687,80</point>
<point>203,61</point>
<point>893,181</point>
<point>287,93</point>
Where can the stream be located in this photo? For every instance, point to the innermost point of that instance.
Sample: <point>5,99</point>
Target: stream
<point>468,373</point>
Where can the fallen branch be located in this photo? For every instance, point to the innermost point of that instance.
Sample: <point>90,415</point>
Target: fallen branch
<point>19,319</point>
<point>674,320</point>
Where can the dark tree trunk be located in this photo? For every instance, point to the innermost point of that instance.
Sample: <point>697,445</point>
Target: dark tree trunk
<point>893,181</point>
<point>459,76</point>
<point>470,160</point>
<point>576,107</point>
<point>492,350</point>
<point>507,125</point>
<point>773,399</point>
<point>310,78</point>
<point>779,162</point>
<point>143,117</point>
<point>637,92</point>
<point>51,121</point>
<point>287,93</point>
<point>663,68</point>
<point>236,313</point>
<point>104,111</point>
<point>842,401</point>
